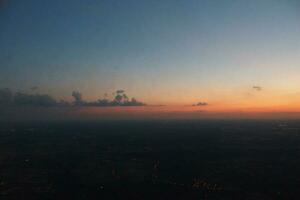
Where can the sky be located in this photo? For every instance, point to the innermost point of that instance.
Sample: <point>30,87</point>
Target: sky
<point>173,55</point>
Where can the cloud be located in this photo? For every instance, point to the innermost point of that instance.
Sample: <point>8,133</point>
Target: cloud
<point>257,88</point>
<point>78,98</point>
<point>120,99</point>
<point>34,88</point>
<point>201,104</point>
<point>7,97</point>
<point>34,100</point>
<point>120,91</point>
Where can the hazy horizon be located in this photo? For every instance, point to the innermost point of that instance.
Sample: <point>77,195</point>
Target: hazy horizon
<point>118,59</point>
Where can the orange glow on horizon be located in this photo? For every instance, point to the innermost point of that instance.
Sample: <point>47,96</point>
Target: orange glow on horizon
<point>263,104</point>
<point>192,112</point>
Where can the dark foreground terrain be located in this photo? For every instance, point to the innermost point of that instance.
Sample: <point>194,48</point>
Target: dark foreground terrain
<point>150,160</point>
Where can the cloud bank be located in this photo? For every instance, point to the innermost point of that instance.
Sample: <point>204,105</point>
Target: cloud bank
<point>8,98</point>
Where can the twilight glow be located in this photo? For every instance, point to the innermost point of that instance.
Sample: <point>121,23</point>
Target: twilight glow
<point>181,58</point>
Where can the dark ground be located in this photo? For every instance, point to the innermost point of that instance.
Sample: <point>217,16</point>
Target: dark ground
<point>150,160</point>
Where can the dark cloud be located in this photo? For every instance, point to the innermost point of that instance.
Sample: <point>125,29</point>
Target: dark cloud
<point>200,104</point>
<point>77,98</point>
<point>120,91</point>
<point>257,88</point>
<point>63,103</point>
<point>120,99</point>
<point>34,88</point>
<point>34,99</point>
<point>7,97</point>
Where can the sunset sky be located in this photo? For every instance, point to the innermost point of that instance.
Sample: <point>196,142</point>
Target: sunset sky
<point>231,56</point>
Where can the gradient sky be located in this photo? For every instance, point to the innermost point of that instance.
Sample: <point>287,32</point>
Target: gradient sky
<point>171,52</point>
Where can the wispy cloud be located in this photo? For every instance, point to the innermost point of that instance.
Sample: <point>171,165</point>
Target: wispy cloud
<point>257,88</point>
<point>201,104</point>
